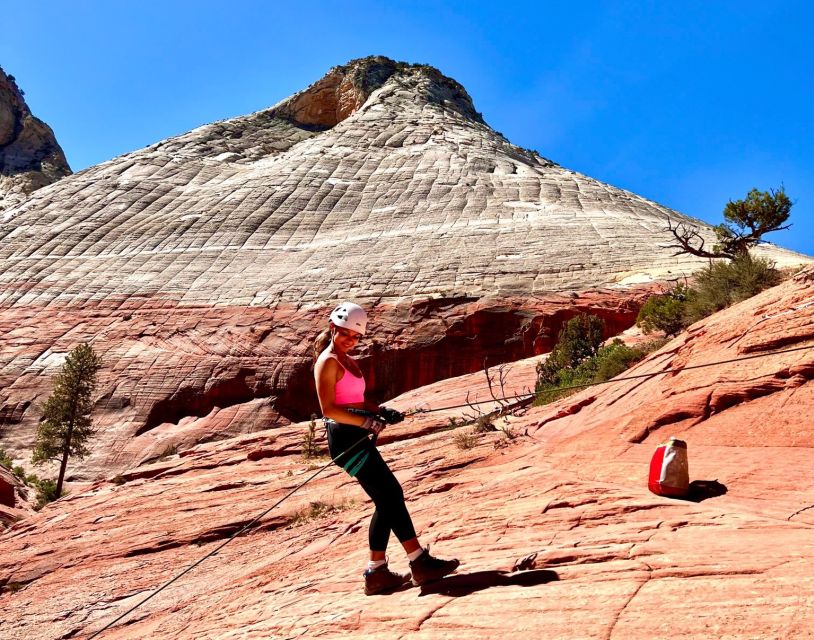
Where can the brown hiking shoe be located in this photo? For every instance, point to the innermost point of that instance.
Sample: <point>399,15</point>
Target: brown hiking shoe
<point>382,579</point>
<point>425,568</point>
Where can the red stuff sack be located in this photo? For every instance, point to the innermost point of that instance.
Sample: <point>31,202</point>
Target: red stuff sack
<point>669,470</point>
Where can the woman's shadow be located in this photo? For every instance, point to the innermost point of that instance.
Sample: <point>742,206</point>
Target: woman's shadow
<point>465,584</point>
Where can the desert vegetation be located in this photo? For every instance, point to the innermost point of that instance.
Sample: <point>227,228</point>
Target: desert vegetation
<point>310,441</point>
<point>719,285</point>
<point>745,223</point>
<point>67,426</point>
<point>580,359</point>
<point>317,510</point>
<point>485,422</point>
<point>45,488</point>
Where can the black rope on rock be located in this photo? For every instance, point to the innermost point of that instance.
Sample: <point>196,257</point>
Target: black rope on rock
<point>525,396</point>
<point>228,540</point>
<point>529,395</point>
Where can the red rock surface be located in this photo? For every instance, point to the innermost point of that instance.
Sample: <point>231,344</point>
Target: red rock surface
<point>613,560</point>
<point>174,376</point>
<point>200,267</point>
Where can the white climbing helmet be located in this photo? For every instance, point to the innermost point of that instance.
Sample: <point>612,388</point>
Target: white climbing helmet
<point>350,316</point>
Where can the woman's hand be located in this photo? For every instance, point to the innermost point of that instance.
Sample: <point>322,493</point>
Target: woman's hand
<point>390,416</point>
<point>374,424</point>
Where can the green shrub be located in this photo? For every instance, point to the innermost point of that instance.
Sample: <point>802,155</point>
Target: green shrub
<point>46,489</point>
<point>578,359</point>
<point>562,384</point>
<point>580,338</point>
<point>5,460</point>
<point>609,361</point>
<point>46,492</point>
<point>664,312</point>
<point>723,283</point>
<point>615,358</point>
<point>717,286</point>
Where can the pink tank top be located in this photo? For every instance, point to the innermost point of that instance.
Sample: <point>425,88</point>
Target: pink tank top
<point>350,389</point>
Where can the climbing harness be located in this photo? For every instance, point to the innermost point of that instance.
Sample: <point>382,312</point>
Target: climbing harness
<point>524,397</point>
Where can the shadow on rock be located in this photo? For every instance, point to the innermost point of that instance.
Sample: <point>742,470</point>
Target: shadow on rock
<point>703,489</point>
<point>467,583</point>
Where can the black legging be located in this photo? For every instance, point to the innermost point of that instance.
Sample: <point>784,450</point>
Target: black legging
<point>376,479</point>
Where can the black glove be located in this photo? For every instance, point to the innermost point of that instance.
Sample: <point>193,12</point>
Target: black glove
<point>374,424</point>
<point>390,416</point>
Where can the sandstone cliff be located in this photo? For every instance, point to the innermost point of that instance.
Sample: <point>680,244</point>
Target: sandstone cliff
<point>612,560</point>
<point>202,266</point>
<point>30,156</point>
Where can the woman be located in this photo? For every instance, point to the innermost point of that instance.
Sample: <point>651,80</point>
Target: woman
<point>350,421</point>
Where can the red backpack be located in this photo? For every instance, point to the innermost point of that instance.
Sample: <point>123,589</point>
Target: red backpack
<point>669,470</point>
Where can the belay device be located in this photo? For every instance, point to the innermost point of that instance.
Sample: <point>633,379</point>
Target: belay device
<point>669,470</point>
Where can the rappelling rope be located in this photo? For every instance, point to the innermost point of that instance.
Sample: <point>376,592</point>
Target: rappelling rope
<point>767,316</point>
<point>530,394</point>
<point>229,539</point>
<point>413,412</point>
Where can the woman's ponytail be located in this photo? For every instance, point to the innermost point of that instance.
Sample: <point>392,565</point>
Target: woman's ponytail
<point>321,342</point>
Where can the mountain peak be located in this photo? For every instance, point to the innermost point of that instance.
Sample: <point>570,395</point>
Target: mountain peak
<point>346,88</point>
<point>30,156</point>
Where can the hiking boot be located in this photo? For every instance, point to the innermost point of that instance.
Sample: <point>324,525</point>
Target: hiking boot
<point>425,568</point>
<point>382,579</point>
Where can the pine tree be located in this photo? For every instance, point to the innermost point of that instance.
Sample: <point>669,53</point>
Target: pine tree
<point>578,340</point>
<point>747,221</point>
<point>66,425</point>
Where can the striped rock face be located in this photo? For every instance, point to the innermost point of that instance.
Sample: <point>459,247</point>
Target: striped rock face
<point>202,266</point>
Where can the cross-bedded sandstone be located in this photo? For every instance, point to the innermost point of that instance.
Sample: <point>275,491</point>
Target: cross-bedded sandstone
<point>201,266</point>
<point>603,557</point>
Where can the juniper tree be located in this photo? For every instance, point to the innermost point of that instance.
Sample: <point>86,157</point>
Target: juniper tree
<point>579,339</point>
<point>66,423</point>
<point>747,221</point>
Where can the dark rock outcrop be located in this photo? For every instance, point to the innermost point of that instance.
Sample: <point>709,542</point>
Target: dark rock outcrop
<point>30,156</point>
<point>7,488</point>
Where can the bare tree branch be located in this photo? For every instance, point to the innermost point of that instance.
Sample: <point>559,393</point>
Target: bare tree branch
<point>691,241</point>
<point>502,372</point>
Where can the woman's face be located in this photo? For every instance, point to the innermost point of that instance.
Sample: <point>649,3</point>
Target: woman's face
<point>345,339</point>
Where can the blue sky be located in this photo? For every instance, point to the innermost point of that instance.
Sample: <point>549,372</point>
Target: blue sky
<point>688,103</point>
